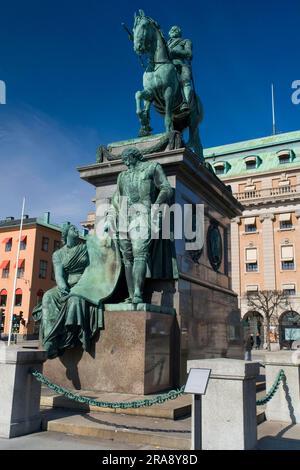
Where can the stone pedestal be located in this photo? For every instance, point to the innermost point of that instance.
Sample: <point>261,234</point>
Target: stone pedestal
<point>134,354</point>
<point>285,404</point>
<point>229,405</point>
<point>19,391</point>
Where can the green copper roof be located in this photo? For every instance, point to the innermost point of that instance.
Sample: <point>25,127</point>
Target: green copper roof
<point>265,149</point>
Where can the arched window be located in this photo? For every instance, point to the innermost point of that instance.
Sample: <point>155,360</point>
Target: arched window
<point>3,298</point>
<point>252,162</point>
<point>253,324</point>
<point>289,328</point>
<point>221,168</point>
<point>18,298</point>
<point>285,156</point>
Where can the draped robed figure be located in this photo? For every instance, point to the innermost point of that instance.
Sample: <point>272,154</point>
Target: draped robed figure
<point>86,274</point>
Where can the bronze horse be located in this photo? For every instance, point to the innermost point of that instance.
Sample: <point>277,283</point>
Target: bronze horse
<point>162,85</point>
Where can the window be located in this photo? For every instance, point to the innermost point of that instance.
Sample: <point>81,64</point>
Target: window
<point>251,290</point>
<point>289,289</point>
<point>251,260</point>
<point>250,225</point>
<point>20,273</point>
<point>252,162</point>
<point>56,245</point>
<point>285,156</point>
<point>43,269</point>
<point>18,298</point>
<point>8,243</point>
<point>3,298</point>
<point>287,265</point>
<point>284,159</point>
<point>285,221</point>
<point>45,244</point>
<point>251,267</point>
<point>251,165</point>
<point>286,225</point>
<point>52,275</point>
<point>21,268</point>
<point>23,243</point>
<point>221,168</point>
<point>5,269</point>
<point>287,258</point>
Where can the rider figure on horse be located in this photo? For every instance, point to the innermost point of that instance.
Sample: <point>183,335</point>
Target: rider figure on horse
<point>181,54</point>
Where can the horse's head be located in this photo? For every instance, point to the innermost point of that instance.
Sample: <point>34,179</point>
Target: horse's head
<point>144,33</point>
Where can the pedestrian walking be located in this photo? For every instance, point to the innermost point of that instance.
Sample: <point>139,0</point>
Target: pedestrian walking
<point>248,347</point>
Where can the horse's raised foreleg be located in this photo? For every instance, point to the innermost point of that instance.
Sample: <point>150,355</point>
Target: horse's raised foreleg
<point>143,112</point>
<point>168,96</point>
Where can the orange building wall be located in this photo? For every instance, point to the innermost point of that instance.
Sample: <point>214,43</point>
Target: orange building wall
<point>30,283</point>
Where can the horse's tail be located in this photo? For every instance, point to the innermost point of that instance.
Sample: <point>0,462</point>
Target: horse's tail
<point>200,108</point>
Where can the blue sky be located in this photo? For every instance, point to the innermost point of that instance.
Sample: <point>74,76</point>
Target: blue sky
<point>71,75</point>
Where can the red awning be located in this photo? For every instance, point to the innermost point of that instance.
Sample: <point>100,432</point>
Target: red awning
<point>3,292</point>
<point>20,263</point>
<point>18,291</point>
<point>4,264</point>
<point>23,238</point>
<point>6,240</point>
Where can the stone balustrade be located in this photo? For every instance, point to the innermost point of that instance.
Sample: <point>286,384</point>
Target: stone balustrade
<point>246,197</point>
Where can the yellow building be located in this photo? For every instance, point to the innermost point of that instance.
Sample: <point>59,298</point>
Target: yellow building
<point>264,175</point>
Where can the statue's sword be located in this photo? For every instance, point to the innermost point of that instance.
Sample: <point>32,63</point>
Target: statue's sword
<point>130,36</point>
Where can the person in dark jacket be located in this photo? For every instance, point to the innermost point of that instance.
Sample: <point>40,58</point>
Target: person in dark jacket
<point>258,341</point>
<point>248,347</point>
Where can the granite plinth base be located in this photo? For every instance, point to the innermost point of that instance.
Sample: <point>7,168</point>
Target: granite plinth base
<point>228,415</point>
<point>19,391</point>
<point>134,354</point>
<point>142,307</point>
<point>208,316</point>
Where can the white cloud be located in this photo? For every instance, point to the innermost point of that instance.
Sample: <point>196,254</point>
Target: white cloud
<point>38,160</point>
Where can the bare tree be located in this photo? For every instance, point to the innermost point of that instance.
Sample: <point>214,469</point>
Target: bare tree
<point>268,303</point>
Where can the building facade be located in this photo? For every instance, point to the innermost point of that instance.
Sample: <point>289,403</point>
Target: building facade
<point>89,223</point>
<point>264,175</point>
<point>35,273</point>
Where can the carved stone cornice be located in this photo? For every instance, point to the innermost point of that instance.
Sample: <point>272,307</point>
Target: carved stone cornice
<point>266,216</point>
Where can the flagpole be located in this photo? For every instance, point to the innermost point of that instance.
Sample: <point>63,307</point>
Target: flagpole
<point>15,277</point>
<point>273,110</point>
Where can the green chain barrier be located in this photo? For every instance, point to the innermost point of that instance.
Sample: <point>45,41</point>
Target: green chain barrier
<point>280,377</point>
<point>172,395</point>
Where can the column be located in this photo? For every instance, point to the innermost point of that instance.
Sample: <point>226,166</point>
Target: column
<point>269,267</point>
<point>235,256</point>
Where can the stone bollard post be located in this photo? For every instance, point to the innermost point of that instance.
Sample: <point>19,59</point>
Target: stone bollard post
<point>19,391</point>
<point>285,404</point>
<point>229,405</point>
